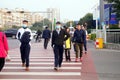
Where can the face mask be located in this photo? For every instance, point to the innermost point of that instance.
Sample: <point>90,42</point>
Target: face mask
<point>24,25</point>
<point>58,27</point>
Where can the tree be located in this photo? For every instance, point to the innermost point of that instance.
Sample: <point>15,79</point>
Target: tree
<point>70,22</point>
<point>39,25</point>
<point>88,18</point>
<point>116,7</point>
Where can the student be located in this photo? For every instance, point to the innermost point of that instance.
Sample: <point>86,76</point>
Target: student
<point>25,43</point>
<point>68,46</point>
<point>59,35</point>
<point>79,38</point>
<point>3,48</point>
<point>85,41</point>
<point>46,35</point>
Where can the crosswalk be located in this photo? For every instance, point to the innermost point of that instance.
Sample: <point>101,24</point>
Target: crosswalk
<point>41,68</point>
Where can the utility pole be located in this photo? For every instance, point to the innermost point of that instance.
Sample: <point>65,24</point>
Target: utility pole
<point>101,11</point>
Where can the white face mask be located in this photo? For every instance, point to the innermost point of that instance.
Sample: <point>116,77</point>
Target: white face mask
<point>24,26</point>
<point>58,27</point>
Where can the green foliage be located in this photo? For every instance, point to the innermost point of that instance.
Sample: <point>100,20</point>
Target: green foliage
<point>114,27</point>
<point>93,36</point>
<point>88,18</point>
<point>39,25</point>
<point>70,22</point>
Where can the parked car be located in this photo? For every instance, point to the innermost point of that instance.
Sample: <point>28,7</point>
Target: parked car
<point>11,33</point>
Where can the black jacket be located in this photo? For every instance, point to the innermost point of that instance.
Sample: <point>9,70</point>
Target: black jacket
<point>58,39</point>
<point>79,36</point>
<point>46,34</point>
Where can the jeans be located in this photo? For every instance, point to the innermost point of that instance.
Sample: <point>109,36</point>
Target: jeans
<point>85,45</point>
<point>58,55</point>
<point>25,51</point>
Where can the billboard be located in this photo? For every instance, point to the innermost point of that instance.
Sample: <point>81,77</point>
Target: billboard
<point>109,16</point>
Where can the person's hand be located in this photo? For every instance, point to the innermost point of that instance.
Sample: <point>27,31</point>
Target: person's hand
<point>73,43</point>
<point>6,52</point>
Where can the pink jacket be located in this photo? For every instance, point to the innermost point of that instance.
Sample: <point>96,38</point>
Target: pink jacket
<point>3,45</point>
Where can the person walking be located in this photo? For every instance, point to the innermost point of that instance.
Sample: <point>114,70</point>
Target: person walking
<point>24,35</point>
<point>3,48</point>
<point>79,38</point>
<point>46,35</point>
<point>59,35</point>
<point>85,41</point>
<point>68,46</point>
<point>38,37</point>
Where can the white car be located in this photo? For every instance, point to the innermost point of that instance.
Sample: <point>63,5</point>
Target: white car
<point>34,33</point>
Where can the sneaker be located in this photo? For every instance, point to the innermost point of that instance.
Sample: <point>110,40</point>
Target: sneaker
<point>23,64</point>
<point>81,59</point>
<point>27,69</point>
<point>85,52</point>
<point>76,60</point>
<point>55,68</point>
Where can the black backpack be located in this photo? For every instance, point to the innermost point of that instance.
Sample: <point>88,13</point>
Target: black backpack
<point>25,39</point>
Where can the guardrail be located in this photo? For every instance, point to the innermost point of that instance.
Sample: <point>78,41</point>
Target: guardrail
<point>113,36</point>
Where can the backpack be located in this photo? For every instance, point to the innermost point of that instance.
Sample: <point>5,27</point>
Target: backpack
<point>25,39</point>
<point>79,37</point>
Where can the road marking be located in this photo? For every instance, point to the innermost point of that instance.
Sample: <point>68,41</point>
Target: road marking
<point>47,63</point>
<point>42,68</point>
<point>40,79</point>
<point>42,73</point>
<point>18,57</point>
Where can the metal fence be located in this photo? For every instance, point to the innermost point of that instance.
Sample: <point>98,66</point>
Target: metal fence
<point>113,36</point>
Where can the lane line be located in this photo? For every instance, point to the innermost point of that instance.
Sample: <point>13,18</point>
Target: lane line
<point>42,68</point>
<point>42,73</point>
<point>40,79</point>
<point>48,63</point>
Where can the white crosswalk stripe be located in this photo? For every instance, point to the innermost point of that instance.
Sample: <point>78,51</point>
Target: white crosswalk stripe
<point>41,68</point>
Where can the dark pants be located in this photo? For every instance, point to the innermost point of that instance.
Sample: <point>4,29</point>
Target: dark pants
<point>25,51</point>
<point>38,38</point>
<point>58,55</point>
<point>46,40</point>
<point>79,49</point>
<point>74,47</point>
<point>67,54</point>
<point>85,45</point>
<point>2,62</point>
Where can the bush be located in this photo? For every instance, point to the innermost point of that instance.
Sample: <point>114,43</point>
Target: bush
<point>115,26</point>
<point>93,36</point>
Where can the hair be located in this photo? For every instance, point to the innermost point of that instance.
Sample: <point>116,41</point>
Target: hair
<point>25,21</point>
<point>58,22</point>
<point>46,27</point>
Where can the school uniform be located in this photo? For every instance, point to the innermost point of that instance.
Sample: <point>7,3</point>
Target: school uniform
<point>24,48</point>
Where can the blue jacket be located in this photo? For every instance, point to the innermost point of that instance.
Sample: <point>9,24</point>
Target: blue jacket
<point>79,36</point>
<point>46,34</point>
